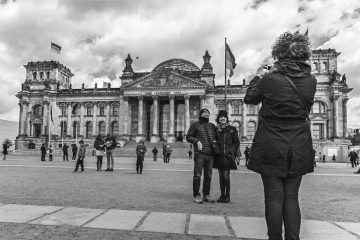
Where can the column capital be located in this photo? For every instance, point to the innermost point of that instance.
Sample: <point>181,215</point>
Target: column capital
<point>172,97</point>
<point>345,100</point>
<point>155,97</point>
<point>202,96</point>
<point>140,97</point>
<point>186,97</point>
<point>334,97</point>
<point>126,98</point>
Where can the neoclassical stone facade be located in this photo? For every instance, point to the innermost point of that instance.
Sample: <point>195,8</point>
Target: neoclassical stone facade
<point>161,104</point>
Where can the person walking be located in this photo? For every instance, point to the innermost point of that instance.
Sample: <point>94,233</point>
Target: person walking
<point>167,154</point>
<point>155,152</point>
<point>81,156</point>
<point>140,154</point>
<point>99,151</point>
<point>334,158</point>
<point>282,149</point>
<point>43,152</point>
<point>247,155</point>
<point>5,150</point>
<point>228,142</point>
<point>164,152</point>
<point>74,150</point>
<point>110,144</point>
<point>353,157</point>
<point>51,151</point>
<point>65,149</point>
<point>202,135</point>
<point>190,154</point>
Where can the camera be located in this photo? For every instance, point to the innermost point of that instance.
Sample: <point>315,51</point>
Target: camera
<point>267,67</point>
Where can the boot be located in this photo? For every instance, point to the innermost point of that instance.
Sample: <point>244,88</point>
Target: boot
<point>226,198</point>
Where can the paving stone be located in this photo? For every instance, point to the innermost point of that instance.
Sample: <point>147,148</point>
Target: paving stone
<point>208,225</point>
<point>315,230</point>
<point>352,227</point>
<point>23,213</point>
<point>164,222</point>
<point>117,219</point>
<point>249,227</point>
<point>69,216</point>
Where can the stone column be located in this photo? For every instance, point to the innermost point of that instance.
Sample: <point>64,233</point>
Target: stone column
<point>44,118</point>
<point>325,131</point>
<point>244,122</point>
<point>21,118</point>
<point>24,116</point>
<point>94,121</point>
<point>126,117</point>
<point>330,130</point>
<point>155,130</point>
<point>171,136</point>
<point>107,126</point>
<point>344,106</point>
<point>69,124</point>
<point>28,118</point>
<point>202,101</point>
<point>82,121</point>
<point>187,115</point>
<point>335,115</point>
<point>140,119</point>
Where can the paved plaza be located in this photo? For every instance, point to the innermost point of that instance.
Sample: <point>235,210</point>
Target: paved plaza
<point>47,204</point>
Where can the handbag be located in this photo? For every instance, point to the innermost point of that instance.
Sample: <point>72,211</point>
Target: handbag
<point>231,161</point>
<point>99,152</point>
<point>215,150</point>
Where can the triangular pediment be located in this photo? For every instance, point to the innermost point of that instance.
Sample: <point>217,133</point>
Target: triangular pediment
<point>164,80</point>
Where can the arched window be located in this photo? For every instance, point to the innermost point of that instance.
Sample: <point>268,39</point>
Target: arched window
<point>102,111</point>
<point>88,111</point>
<point>34,75</point>
<point>325,66</point>
<point>316,66</point>
<point>76,129</point>
<point>318,107</point>
<point>115,128</point>
<point>220,105</point>
<point>251,128</point>
<point>38,110</point>
<point>318,131</point>
<point>41,75</point>
<point>47,75</point>
<point>63,110</point>
<point>115,110</point>
<point>236,108</point>
<point>102,126</point>
<point>88,130</point>
<point>251,109</point>
<point>63,128</point>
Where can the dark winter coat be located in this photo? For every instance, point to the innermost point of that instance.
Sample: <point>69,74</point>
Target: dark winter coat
<point>99,144</point>
<point>43,149</point>
<point>141,150</point>
<point>228,142</point>
<point>282,145</point>
<point>197,132</point>
<point>5,149</point>
<point>111,143</point>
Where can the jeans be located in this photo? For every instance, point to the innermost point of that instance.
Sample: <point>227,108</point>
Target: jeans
<point>139,164</point>
<point>99,162</point>
<point>80,162</point>
<point>224,178</point>
<point>110,159</point>
<point>65,155</point>
<point>282,205</point>
<point>202,162</point>
<point>43,156</point>
<point>74,156</point>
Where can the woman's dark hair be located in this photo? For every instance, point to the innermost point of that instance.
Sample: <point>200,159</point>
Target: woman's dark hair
<point>99,137</point>
<point>222,113</point>
<point>292,45</point>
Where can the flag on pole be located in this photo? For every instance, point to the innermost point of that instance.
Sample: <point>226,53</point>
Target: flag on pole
<point>55,48</point>
<point>51,117</point>
<point>230,60</point>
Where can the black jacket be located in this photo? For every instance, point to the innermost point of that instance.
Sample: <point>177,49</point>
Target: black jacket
<point>282,145</point>
<point>228,142</point>
<point>197,132</point>
<point>99,144</point>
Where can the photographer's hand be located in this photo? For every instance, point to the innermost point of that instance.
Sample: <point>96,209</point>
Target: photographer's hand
<point>261,72</point>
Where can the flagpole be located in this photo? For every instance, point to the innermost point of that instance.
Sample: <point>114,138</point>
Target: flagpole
<point>225,80</point>
<point>50,51</point>
<point>49,123</point>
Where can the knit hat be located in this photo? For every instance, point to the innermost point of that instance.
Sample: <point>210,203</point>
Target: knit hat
<point>222,113</point>
<point>203,110</point>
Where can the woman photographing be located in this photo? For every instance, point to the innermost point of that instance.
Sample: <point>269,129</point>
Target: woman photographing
<point>282,149</point>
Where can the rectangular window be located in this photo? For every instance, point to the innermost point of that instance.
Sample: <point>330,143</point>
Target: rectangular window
<point>318,132</point>
<point>236,109</point>
<point>251,109</point>
<point>102,111</point>
<point>115,111</point>
<point>63,111</point>
<point>88,111</point>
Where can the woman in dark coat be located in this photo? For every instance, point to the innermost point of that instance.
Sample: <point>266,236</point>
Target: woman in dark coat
<point>99,146</point>
<point>228,142</point>
<point>282,147</point>
<point>5,150</point>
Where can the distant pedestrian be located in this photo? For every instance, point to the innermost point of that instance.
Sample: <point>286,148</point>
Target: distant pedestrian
<point>247,155</point>
<point>43,152</point>
<point>74,150</point>
<point>99,151</point>
<point>167,154</point>
<point>353,158</point>
<point>110,144</point>
<point>190,154</point>
<point>5,150</point>
<point>164,152</point>
<point>155,152</point>
<point>334,158</point>
<point>81,156</point>
<point>140,154</point>
<point>314,153</point>
<point>51,150</point>
<point>65,152</point>
<point>323,158</point>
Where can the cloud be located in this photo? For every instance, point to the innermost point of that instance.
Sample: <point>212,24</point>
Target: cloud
<point>96,36</point>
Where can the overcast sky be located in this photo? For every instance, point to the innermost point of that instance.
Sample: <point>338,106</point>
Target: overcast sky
<point>96,36</point>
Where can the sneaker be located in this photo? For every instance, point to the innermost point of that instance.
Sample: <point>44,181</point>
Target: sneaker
<point>198,199</point>
<point>226,199</point>
<point>207,198</point>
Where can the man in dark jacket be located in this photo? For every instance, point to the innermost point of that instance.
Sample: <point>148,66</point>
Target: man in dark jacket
<point>65,152</point>
<point>353,157</point>
<point>74,151</point>
<point>247,155</point>
<point>43,152</point>
<point>155,152</point>
<point>202,135</point>
<point>110,144</point>
<point>140,155</point>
